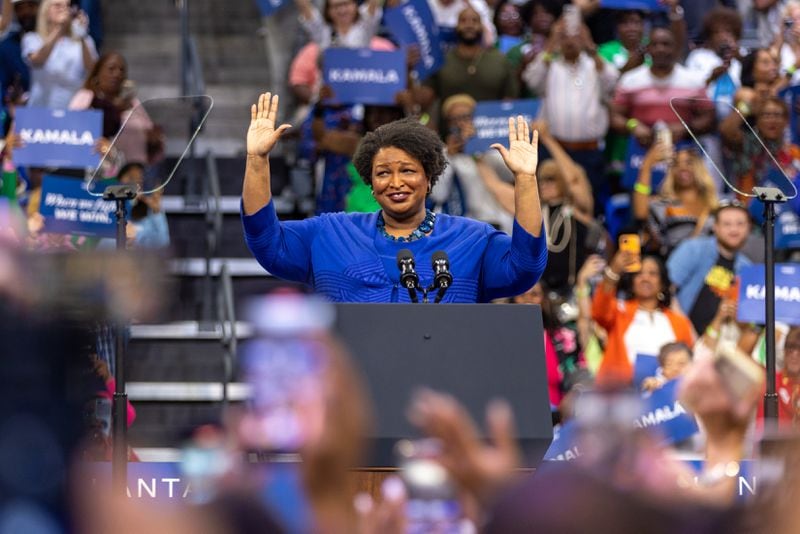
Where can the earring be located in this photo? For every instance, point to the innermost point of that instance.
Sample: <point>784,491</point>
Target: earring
<point>661,296</point>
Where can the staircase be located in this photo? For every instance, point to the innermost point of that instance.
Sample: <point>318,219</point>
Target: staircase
<point>177,370</point>
<point>147,33</point>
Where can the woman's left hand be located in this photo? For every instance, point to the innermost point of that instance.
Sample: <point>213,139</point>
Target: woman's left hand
<point>522,155</point>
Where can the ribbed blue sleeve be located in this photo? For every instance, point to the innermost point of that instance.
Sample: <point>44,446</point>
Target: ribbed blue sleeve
<point>512,265</point>
<point>282,248</point>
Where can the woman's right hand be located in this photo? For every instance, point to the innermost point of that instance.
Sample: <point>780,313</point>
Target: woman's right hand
<point>262,134</point>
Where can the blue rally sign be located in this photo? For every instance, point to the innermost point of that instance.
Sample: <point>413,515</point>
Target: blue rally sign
<point>57,138</point>
<point>633,164</point>
<point>661,413</point>
<point>643,5</point>
<point>411,23</point>
<point>68,208</point>
<point>787,294</point>
<point>363,76</point>
<point>268,7</point>
<point>491,122</point>
<point>791,95</point>
<point>664,413</point>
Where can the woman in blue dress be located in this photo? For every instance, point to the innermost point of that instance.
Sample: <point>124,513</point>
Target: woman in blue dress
<point>353,257</point>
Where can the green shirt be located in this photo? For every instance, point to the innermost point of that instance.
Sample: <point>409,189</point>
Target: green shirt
<point>489,76</point>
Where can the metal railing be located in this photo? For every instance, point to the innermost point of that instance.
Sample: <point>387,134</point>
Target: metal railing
<point>226,314</point>
<point>213,220</point>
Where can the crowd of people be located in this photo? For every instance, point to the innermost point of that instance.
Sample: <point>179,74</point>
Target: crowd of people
<point>629,209</point>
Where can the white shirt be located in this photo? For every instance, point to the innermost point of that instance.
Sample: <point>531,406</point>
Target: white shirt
<point>703,62</point>
<point>480,203</point>
<point>647,333</point>
<point>359,35</point>
<point>574,97</point>
<point>54,83</point>
<point>447,15</point>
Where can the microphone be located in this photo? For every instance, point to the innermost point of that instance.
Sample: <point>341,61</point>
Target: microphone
<point>408,274</point>
<point>442,278</point>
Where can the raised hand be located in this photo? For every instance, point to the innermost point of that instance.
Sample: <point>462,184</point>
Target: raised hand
<point>262,134</point>
<point>522,155</point>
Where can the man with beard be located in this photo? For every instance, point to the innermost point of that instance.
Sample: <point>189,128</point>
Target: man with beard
<point>704,269</point>
<point>13,70</point>
<point>644,93</point>
<point>471,68</point>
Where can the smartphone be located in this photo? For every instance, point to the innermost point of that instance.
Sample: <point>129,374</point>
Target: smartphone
<point>631,243</point>
<point>433,504</point>
<point>740,375</point>
<point>572,20</point>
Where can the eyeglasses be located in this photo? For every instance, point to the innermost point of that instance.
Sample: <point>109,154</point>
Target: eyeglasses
<point>791,347</point>
<point>510,15</point>
<point>772,115</point>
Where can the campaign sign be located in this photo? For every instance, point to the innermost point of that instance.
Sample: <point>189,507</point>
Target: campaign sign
<point>661,413</point>
<point>564,446</point>
<point>633,164</point>
<point>787,230</point>
<point>69,209</point>
<point>268,7</point>
<point>791,95</point>
<point>787,294</point>
<point>665,414</point>
<point>148,481</point>
<point>643,5</point>
<point>411,23</point>
<point>646,366</point>
<point>57,138</point>
<point>490,120</point>
<point>364,76</point>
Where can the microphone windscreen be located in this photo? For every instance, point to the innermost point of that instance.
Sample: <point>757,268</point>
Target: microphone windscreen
<point>403,255</point>
<point>440,255</point>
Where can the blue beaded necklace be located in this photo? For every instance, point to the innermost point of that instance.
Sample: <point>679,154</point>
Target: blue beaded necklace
<point>424,227</point>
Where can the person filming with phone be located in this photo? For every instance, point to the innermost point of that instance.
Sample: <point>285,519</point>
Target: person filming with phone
<point>644,321</point>
<point>60,53</point>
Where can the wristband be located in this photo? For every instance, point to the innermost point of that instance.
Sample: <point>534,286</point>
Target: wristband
<point>631,124</point>
<point>642,188</point>
<point>547,57</point>
<point>712,332</point>
<point>610,274</point>
<point>791,69</point>
<point>582,292</point>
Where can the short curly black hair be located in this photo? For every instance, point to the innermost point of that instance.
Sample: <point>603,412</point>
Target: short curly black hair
<point>408,135</point>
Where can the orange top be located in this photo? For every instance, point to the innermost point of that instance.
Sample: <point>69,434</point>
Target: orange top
<point>616,316</point>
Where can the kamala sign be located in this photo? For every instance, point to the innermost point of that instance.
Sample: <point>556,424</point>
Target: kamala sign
<point>57,138</point>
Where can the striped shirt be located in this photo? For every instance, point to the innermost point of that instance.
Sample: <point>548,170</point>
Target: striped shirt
<point>644,97</point>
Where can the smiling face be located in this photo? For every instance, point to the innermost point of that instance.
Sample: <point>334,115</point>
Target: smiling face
<point>399,183</point>
<point>342,12</point>
<point>732,226</point>
<point>509,21</point>
<point>647,283</point>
